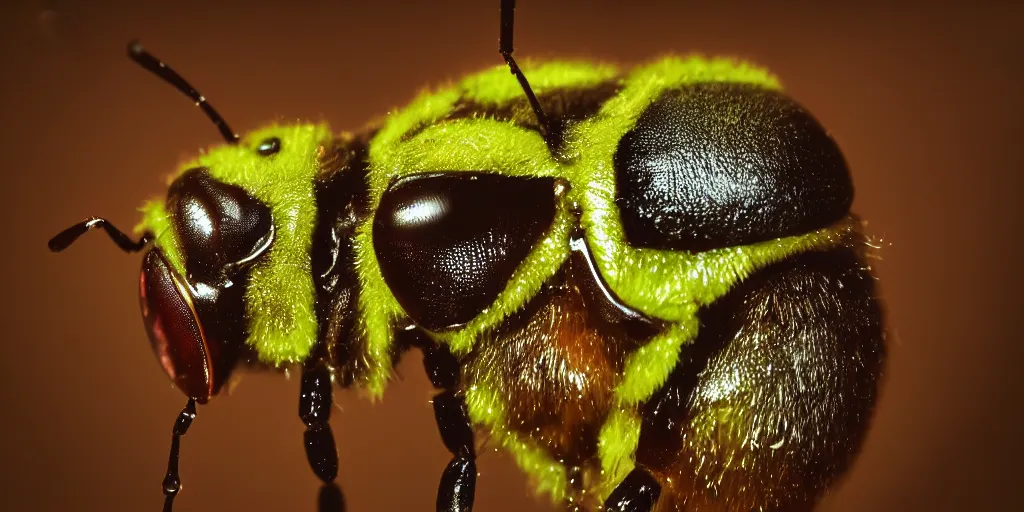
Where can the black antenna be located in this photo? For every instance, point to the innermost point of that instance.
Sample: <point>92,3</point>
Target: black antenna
<point>139,54</point>
<point>508,15</point>
<point>67,237</point>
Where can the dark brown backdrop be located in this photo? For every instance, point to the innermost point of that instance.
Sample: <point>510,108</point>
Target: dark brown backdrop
<point>924,101</point>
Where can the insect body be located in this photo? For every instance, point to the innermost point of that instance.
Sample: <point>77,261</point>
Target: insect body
<point>645,283</point>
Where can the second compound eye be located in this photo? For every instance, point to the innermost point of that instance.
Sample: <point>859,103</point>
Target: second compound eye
<point>448,243</point>
<point>217,224</point>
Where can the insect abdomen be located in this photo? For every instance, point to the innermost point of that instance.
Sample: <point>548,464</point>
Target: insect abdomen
<point>771,401</point>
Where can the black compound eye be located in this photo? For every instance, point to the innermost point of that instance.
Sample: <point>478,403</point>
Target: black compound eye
<point>218,225</point>
<point>269,146</point>
<point>448,243</point>
<point>720,164</point>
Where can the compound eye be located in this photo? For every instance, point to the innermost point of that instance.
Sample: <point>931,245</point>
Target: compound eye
<point>447,243</point>
<point>174,330</point>
<point>715,165</point>
<point>220,226</point>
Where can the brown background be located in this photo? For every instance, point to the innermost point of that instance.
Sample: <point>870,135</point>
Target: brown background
<point>924,101</point>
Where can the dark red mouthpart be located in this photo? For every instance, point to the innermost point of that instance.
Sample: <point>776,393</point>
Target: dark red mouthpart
<point>174,329</point>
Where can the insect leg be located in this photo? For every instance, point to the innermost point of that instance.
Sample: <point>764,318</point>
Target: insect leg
<point>576,489</point>
<point>458,482</point>
<point>172,482</point>
<point>638,492</point>
<point>315,402</point>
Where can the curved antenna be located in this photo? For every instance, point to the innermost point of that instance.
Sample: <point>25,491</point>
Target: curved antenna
<point>508,15</point>
<point>143,58</point>
<point>67,237</point>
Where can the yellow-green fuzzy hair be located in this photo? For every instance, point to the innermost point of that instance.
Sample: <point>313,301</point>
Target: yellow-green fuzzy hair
<point>279,299</point>
<point>670,285</point>
<point>481,144</point>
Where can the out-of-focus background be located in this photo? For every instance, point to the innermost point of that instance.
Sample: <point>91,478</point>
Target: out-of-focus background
<point>925,101</point>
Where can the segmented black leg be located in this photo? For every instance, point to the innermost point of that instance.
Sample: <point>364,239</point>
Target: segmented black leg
<point>330,498</point>
<point>576,489</point>
<point>172,482</point>
<point>638,492</point>
<point>458,482</point>
<point>315,402</point>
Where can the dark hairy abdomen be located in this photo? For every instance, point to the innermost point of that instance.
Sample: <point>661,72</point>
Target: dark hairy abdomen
<point>770,403</point>
<point>556,361</point>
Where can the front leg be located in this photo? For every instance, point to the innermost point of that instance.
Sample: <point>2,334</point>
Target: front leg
<point>458,482</point>
<point>315,402</point>
<point>638,492</point>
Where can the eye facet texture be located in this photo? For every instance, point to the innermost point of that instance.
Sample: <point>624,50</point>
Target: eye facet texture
<point>448,243</point>
<point>218,224</point>
<point>174,330</point>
